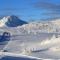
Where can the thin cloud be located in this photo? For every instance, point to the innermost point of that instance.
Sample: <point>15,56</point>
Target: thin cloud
<point>47,5</point>
<point>51,9</point>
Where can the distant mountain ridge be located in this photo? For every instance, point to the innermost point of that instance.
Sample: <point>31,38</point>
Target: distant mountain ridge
<point>32,27</point>
<point>11,21</point>
<point>39,27</point>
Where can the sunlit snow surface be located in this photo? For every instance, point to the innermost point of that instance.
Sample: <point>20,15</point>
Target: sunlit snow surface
<point>43,45</point>
<point>30,41</point>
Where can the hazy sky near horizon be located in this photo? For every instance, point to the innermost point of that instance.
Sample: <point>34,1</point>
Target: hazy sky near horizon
<point>31,10</point>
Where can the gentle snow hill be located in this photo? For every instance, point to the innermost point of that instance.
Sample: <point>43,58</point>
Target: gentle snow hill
<point>11,21</point>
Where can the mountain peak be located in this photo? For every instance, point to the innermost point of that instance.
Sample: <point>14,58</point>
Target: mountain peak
<point>12,16</point>
<point>11,21</point>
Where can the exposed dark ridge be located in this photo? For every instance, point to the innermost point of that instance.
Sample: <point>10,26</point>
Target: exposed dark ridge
<point>14,21</point>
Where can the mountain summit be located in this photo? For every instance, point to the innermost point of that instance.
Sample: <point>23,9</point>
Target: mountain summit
<point>11,21</point>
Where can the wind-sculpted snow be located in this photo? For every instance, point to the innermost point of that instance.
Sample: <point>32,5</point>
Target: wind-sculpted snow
<point>45,48</point>
<point>14,56</point>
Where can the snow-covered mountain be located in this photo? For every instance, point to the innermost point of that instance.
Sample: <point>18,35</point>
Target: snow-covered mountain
<point>36,27</point>
<point>11,21</point>
<point>21,26</point>
<point>41,39</point>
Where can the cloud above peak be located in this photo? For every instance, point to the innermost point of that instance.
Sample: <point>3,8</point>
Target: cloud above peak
<point>51,8</point>
<point>47,5</point>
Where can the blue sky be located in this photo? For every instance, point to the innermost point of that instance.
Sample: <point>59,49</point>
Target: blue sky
<point>31,10</point>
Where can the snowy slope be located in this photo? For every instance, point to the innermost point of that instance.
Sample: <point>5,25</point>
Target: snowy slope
<point>48,48</point>
<point>35,39</point>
